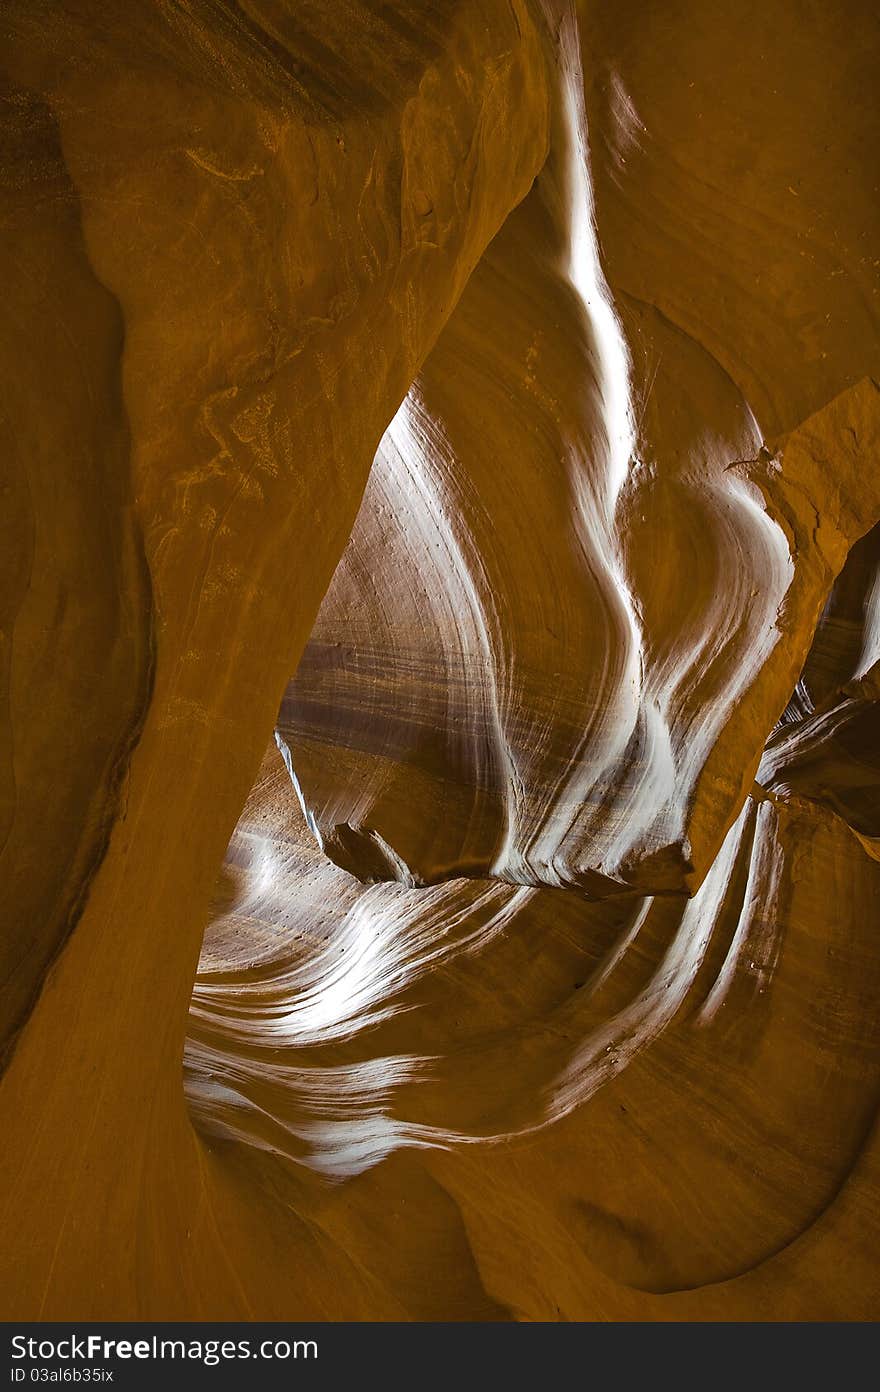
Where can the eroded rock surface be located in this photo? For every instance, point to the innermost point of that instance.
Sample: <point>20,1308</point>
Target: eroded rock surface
<point>279,258</point>
<point>540,977</point>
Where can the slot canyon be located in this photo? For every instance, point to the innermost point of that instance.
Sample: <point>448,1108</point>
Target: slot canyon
<point>440,660</point>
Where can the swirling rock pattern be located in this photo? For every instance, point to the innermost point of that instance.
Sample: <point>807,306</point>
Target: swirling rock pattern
<point>691,1040</point>
<point>540,977</point>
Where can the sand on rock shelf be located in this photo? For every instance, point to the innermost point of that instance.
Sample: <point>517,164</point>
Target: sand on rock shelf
<point>440,660</point>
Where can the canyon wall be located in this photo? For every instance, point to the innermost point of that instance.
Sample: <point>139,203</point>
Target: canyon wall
<point>439,682</point>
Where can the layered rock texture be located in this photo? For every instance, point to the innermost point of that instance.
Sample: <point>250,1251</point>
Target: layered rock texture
<point>440,666</point>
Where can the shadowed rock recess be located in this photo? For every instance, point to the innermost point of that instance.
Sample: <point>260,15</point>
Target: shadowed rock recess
<point>440,660</point>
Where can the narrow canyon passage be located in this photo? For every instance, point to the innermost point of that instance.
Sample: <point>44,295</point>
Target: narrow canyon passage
<point>441,636</point>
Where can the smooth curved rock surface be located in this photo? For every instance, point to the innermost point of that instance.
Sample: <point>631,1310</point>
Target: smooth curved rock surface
<point>530,970</point>
<point>508,639</point>
<point>260,241</point>
<point>332,1025</point>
